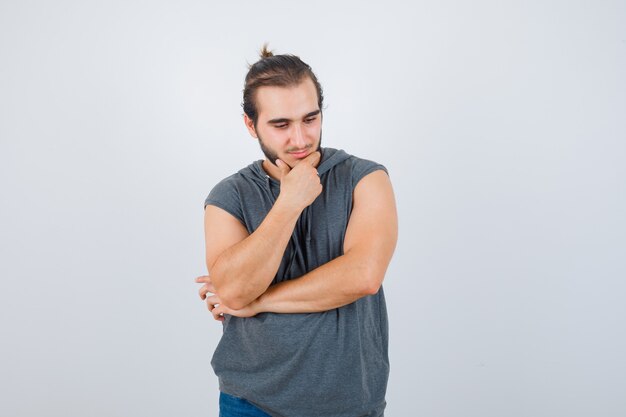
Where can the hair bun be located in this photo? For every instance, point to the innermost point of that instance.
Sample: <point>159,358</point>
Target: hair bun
<point>266,53</point>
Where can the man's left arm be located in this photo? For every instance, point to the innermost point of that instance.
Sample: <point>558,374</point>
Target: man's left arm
<point>369,244</point>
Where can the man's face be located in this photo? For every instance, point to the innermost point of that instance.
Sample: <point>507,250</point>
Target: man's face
<point>289,123</point>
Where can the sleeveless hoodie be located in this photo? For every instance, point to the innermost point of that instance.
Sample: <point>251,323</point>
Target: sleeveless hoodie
<point>334,363</point>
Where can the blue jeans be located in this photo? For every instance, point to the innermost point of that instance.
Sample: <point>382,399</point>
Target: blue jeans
<point>231,406</point>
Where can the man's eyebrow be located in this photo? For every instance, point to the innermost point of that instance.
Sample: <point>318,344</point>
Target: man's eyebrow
<point>283,119</point>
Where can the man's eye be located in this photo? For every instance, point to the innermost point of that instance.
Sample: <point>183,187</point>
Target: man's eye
<point>280,126</point>
<point>309,120</point>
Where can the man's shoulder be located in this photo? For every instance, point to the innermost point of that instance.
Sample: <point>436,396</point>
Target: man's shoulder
<point>231,187</point>
<point>245,175</point>
<point>343,157</point>
<point>353,166</point>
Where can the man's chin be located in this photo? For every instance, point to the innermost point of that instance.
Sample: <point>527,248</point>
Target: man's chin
<point>294,159</point>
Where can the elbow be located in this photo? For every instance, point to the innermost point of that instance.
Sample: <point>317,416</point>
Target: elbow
<point>372,279</point>
<point>372,287</point>
<point>230,295</point>
<point>234,302</point>
<point>232,298</point>
<point>368,270</point>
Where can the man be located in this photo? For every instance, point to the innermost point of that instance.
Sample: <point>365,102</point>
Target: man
<point>297,246</point>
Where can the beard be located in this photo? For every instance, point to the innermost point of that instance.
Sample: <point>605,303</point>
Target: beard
<point>272,156</point>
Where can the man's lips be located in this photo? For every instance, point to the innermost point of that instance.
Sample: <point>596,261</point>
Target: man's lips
<point>299,154</point>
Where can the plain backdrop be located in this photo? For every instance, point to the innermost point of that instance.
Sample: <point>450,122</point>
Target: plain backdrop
<point>502,124</point>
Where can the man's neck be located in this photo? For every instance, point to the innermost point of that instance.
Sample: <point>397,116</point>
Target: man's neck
<point>271,169</point>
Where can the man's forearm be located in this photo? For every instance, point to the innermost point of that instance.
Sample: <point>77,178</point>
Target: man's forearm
<point>244,271</point>
<point>339,282</point>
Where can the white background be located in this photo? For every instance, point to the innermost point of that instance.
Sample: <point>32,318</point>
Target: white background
<point>503,128</point>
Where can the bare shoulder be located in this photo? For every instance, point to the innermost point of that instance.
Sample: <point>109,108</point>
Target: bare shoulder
<point>373,220</point>
<point>377,181</point>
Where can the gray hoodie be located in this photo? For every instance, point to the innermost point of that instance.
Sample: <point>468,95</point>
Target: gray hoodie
<point>333,363</point>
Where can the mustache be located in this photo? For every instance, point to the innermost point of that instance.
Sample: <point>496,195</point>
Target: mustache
<point>298,149</point>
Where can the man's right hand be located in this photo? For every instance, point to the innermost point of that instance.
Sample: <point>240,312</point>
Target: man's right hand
<point>300,185</point>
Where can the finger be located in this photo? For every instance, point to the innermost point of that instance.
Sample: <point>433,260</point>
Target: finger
<point>212,302</point>
<point>214,299</point>
<point>211,307</point>
<point>206,288</point>
<point>314,158</point>
<point>207,281</point>
<point>218,313</point>
<point>203,278</point>
<point>284,168</point>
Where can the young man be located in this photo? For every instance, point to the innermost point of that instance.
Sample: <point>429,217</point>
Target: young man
<point>297,246</point>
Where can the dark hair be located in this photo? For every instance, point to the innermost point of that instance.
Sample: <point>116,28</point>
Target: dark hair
<point>275,70</point>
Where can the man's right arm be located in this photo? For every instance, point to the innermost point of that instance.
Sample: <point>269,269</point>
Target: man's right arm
<point>241,265</point>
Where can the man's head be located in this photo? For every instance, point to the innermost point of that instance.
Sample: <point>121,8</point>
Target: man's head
<point>282,102</point>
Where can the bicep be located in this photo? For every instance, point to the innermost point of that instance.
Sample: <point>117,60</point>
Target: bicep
<point>221,231</point>
<point>372,230</point>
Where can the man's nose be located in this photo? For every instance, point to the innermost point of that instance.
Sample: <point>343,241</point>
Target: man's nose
<point>297,136</point>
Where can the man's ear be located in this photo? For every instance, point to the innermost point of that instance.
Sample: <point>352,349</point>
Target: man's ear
<point>250,125</point>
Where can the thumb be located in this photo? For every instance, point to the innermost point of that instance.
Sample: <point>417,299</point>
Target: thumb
<point>284,168</point>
